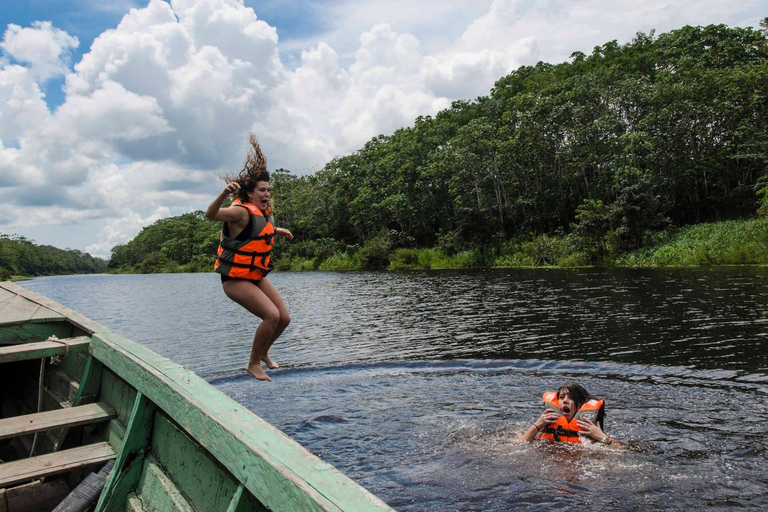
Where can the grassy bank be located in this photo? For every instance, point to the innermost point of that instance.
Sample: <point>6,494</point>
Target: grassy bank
<point>737,242</point>
<point>722,243</point>
<point>167,267</point>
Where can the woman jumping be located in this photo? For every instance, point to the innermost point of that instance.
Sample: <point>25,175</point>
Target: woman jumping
<point>243,260</point>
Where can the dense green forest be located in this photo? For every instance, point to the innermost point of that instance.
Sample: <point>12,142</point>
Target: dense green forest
<point>598,161</point>
<point>22,257</point>
<point>186,243</point>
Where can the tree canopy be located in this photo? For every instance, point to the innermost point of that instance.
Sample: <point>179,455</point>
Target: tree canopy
<point>186,243</point>
<point>667,130</point>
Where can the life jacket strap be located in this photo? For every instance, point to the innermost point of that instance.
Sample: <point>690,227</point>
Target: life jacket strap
<point>560,431</point>
<point>267,238</point>
<point>246,253</point>
<point>241,265</point>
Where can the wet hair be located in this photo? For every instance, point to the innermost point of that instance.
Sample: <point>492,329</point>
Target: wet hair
<point>580,396</point>
<point>254,170</point>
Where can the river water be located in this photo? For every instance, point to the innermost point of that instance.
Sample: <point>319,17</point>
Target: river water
<point>416,385</point>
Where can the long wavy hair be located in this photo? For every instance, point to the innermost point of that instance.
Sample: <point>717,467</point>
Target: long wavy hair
<point>254,170</point>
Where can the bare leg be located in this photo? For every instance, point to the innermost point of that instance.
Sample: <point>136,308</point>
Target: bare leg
<point>285,318</point>
<point>256,301</point>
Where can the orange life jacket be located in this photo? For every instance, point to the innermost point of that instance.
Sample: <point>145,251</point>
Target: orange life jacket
<point>562,430</point>
<point>247,259</point>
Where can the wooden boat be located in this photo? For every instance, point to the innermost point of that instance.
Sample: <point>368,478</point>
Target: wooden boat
<point>75,395</point>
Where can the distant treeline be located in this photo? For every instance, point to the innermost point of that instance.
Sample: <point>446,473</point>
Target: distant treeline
<point>596,157</point>
<point>186,243</point>
<point>22,257</point>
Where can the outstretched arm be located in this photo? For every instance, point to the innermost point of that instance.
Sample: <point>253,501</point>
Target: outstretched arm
<point>284,233</point>
<point>547,417</point>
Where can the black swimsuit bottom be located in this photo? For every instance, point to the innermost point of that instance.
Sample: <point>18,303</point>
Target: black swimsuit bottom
<point>224,279</point>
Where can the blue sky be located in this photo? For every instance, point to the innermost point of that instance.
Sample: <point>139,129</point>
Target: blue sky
<point>114,114</point>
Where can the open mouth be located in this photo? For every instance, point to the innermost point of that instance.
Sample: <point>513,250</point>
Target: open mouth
<point>566,410</point>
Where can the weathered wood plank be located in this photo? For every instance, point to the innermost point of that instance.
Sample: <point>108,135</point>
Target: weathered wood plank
<point>134,505</point>
<point>118,393</point>
<point>5,296</point>
<point>82,322</point>
<point>36,496</point>
<point>127,481</point>
<point>24,470</point>
<point>87,388</point>
<point>74,368</point>
<point>235,504</point>
<point>137,438</point>
<point>243,501</point>
<point>156,488</point>
<point>44,314</point>
<point>15,334</point>
<point>196,473</point>
<point>91,381</point>
<point>22,309</point>
<point>68,417</point>
<point>279,472</point>
<point>41,349</point>
<point>18,309</point>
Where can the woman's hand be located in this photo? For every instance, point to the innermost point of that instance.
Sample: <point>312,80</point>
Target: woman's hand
<point>284,233</point>
<point>231,214</point>
<point>591,430</point>
<point>547,417</point>
<point>232,188</point>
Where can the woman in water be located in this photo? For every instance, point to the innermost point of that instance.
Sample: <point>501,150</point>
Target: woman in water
<point>570,402</point>
<point>243,258</point>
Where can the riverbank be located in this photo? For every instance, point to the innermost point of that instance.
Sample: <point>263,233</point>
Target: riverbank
<point>737,242</point>
<point>733,242</point>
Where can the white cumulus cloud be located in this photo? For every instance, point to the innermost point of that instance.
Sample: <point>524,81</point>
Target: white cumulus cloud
<point>42,47</point>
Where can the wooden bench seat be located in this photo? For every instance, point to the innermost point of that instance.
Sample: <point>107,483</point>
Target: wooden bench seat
<point>59,418</point>
<point>49,464</point>
<point>41,349</point>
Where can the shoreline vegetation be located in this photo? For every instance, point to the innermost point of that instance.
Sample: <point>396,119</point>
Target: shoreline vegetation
<point>649,154</point>
<point>743,242</point>
<point>727,243</point>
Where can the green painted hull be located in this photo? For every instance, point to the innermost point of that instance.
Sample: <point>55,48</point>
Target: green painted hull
<point>75,395</point>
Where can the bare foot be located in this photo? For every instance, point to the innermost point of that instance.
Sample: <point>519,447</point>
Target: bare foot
<point>258,372</point>
<point>270,363</point>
